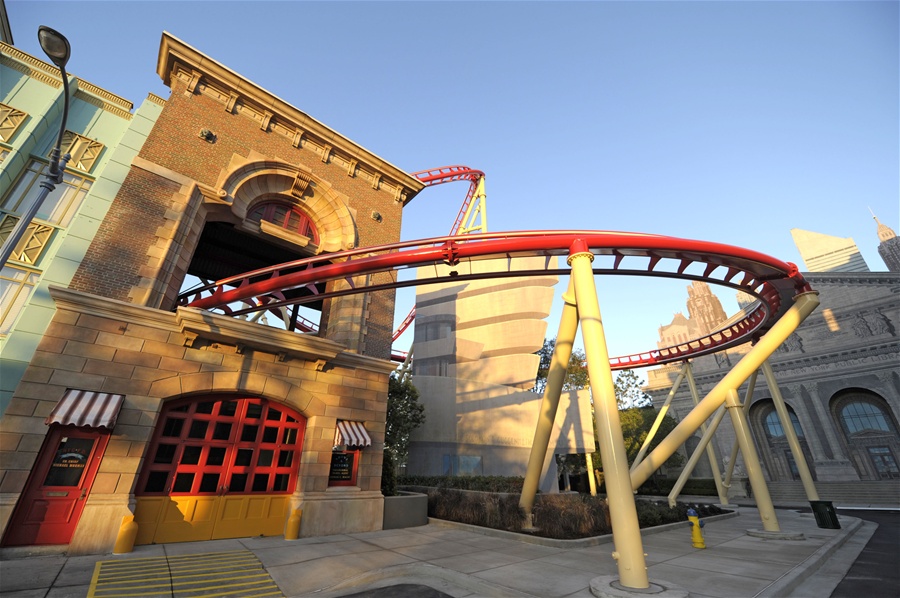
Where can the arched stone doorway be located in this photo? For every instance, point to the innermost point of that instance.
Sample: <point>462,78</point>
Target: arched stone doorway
<point>869,432</point>
<point>219,466</point>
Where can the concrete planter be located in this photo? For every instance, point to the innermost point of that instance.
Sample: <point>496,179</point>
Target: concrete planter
<point>409,509</point>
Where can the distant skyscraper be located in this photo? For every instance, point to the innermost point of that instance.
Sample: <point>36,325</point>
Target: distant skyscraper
<point>889,247</point>
<point>824,253</point>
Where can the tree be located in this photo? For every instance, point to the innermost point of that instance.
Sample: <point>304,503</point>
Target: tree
<point>628,391</point>
<point>636,423</point>
<point>576,372</point>
<point>404,414</point>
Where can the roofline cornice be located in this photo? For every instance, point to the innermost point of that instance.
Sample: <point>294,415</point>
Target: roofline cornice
<point>177,58</point>
<point>49,74</point>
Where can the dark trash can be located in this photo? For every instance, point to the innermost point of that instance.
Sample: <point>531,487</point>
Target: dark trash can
<point>826,516</point>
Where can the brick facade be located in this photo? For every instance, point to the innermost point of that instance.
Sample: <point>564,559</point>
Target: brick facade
<point>117,329</point>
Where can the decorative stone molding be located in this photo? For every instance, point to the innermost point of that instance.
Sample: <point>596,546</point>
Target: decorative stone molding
<point>301,182</point>
<point>192,81</point>
<point>232,100</point>
<point>178,60</point>
<point>326,207</point>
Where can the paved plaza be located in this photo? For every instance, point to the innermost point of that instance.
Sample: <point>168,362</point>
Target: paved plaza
<point>449,559</point>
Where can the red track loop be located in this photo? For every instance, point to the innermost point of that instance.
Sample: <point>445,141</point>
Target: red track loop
<point>772,281</point>
<point>448,174</point>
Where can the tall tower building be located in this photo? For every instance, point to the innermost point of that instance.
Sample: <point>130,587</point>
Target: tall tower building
<point>824,253</point>
<point>704,307</point>
<point>889,246</point>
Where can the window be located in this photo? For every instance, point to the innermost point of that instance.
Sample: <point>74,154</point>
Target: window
<point>10,119</point>
<point>33,242</point>
<point>59,207</point>
<point>83,152</point>
<point>288,217</point>
<point>16,285</point>
<point>884,462</point>
<point>861,416</point>
<point>774,428</point>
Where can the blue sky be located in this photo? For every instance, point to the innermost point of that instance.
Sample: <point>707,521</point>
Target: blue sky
<point>723,121</point>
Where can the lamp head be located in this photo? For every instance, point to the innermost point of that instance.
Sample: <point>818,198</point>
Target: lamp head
<point>55,45</point>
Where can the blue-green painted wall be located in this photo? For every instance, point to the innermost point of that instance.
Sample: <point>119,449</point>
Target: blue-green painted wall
<point>122,136</point>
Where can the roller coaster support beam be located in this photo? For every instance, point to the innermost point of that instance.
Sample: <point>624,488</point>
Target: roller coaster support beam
<point>751,461</point>
<point>568,328</point>
<point>710,450</point>
<point>804,304</point>
<point>476,211</point>
<point>790,434</point>
<point>708,433</point>
<point>629,550</point>
<point>748,398</point>
<point>659,418</point>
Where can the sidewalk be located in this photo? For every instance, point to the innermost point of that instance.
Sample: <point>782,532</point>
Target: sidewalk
<point>458,561</point>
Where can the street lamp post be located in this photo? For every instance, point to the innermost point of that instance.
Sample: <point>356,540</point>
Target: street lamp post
<point>57,48</point>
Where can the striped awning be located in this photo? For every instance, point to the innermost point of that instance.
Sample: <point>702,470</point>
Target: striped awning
<point>351,434</point>
<point>86,408</point>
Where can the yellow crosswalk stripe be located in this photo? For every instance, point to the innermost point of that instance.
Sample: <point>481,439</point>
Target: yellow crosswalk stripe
<point>237,574</point>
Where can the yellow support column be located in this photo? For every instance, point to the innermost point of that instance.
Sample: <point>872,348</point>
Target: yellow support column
<point>710,450</point>
<point>804,304</point>
<point>788,427</point>
<point>751,461</point>
<point>695,458</point>
<point>729,471</point>
<point>559,363</point>
<point>659,418</point>
<point>629,552</point>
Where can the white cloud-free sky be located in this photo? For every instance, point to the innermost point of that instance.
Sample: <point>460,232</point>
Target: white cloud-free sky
<point>723,121</point>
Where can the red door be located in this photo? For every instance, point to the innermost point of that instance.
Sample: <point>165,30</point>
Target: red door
<point>57,489</point>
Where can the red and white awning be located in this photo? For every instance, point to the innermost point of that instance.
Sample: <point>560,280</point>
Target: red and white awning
<point>351,434</point>
<point>86,408</point>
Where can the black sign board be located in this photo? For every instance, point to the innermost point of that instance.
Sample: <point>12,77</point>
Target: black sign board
<point>341,467</point>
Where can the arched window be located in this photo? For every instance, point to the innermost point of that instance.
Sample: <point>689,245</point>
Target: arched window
<point>869,432</point>
<point>861,416</point>
<point>774,428</point>
<point>288,217</point>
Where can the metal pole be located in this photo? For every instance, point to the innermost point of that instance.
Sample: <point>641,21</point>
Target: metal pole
<point>751,385</point>
<point>803,469</point>
<point>710,450</point>
<point>804,304</point>
<point>629,554</point>
<point>659,418</point>
<point>695,457</point>
<point>751,460</point>
<point>556,377</point>
<point>52,177</point>
<point>592,481</point>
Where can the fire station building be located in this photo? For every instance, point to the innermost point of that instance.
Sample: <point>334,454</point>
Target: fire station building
<point>200,425</point>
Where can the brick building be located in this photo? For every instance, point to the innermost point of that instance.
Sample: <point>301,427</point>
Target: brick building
<point>198,424</point>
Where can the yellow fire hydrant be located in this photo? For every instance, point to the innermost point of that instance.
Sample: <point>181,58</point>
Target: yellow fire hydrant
<point>696,524</point>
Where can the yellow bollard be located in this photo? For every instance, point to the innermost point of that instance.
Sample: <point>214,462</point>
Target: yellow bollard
<point>126,536</point>
<point>293,525</point>
<point>696,534</point>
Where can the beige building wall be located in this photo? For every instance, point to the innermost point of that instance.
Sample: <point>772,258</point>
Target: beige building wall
<point>475,364</point>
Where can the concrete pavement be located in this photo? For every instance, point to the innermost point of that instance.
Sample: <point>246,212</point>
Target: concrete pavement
<point>455,560</point>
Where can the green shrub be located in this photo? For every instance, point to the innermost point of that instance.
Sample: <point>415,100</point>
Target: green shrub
<point>560,516</point>
<point>480,483</point>
<point>388,477</point>
<point>663,486</point>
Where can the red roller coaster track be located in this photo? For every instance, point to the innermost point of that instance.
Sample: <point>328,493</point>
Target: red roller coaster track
<point>773,282</point>
<point>449,174</point>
